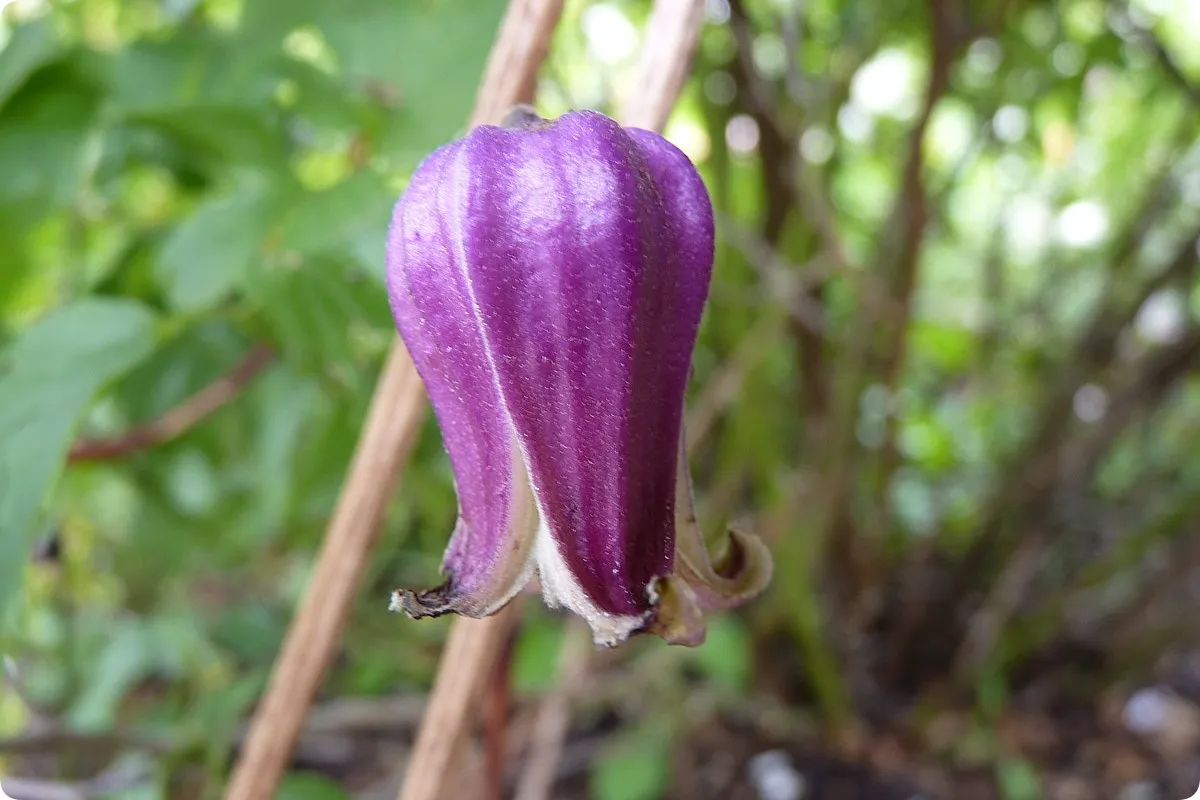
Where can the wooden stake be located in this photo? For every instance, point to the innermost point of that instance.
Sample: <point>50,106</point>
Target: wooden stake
<point>396,413</point>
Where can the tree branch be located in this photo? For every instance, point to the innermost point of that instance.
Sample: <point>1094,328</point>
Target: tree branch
<point>781,196</point>
<point>1032,473</point>
<point>497,704</point>
<point>1029,472</point>
<point>1146,388</point>
<point>905,235</point>
<point>1037,628</point>
<point>796,284</point>
<point>180,419</point>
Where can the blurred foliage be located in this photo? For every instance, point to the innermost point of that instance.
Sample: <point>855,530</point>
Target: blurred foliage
<point>948,366</point>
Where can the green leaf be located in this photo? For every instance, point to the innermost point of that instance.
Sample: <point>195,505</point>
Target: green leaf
<point>48,377</point>
<point>32,46</point>
<point>930,444</point>
<point>535,657</point>
<point>313,310</point>
<point>210,253</point>
<point>208,93</point>
<point>266,22</point>
<point>287,403</point>
<point>725,654</point>
<point>381,49</point>
<point>250,632</point>
<point>220,710</point>
<point>192,483</point>
<point>946,347</point>
<point>322,223</point>
<point>192,71</point>
<point>435,86</point>
<point>322,100</point>
<point>309,786</point>
<point>636,767</point>
<point>1018,780</point>
<point>225,135</point>
<point>43,131</point>
<point>991,690</point>
<point>122,661</point>
<point>45,127</point>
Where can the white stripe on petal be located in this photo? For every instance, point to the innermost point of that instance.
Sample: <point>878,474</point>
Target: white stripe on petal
<point>559,588</point>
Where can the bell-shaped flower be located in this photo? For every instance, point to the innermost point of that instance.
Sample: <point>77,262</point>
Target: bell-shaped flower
<point>548,279</point>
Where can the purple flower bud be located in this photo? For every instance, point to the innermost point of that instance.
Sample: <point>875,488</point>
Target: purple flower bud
<point>548,278</point>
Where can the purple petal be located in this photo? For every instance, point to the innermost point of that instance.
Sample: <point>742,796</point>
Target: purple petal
<point>548,278</point>
<point>590,251</point>
<point>489,557</point>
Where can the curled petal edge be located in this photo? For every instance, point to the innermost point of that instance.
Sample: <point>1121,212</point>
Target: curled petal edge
<point>512,574</point>
<point>702,583</point>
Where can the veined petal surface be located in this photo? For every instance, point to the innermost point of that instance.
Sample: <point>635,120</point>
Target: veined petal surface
<point>590,252</point>
<point>489,558</point>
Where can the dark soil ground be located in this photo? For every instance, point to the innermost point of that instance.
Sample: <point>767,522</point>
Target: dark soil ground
<point>1086,752</point>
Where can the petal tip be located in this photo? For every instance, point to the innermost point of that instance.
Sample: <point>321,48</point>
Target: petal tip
<point>523,117</point>
<point>438,602</point>
<point>612,630</point>
<point>678,618</point>
<point>429,603</point>
<point>746,560</point>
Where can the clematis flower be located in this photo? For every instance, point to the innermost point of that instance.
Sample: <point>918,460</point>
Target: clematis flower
<point>548,279</point>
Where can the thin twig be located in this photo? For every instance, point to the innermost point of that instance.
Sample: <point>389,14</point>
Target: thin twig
<point>671,36</point>
<point>473,646</point>
<point>1156,377</point>
<point>16,684</point>
<point>343,717</point>
<point>1039,626</point>
<point>366,716</point>
<point>800,181</point>
<point>1032,471</point>
<point>554,717</point>
<point>795,79</point>
<point>495,713</point>
<point>468,658</point>
<point>908,224</point>
<point>796,284</point>
<point>396,413</point>
<point>57,739</point>
<point>724,386</point>
<point>779,164</point>
<point>180,419</point>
